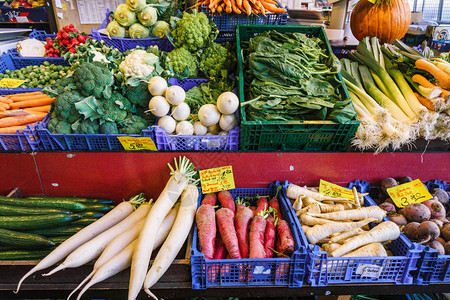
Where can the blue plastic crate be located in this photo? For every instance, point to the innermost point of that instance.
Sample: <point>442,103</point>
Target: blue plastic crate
<point>20,61</point>
<point>85,142</point>
<point>22,141</point>
<point>166,142</point>
<point>251,272</point>
<point>124,44</point>
<point>6,63</point>
<point>323,270</point>
<point>227,22</point>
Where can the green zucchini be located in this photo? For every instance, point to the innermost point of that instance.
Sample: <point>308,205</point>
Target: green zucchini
<point>63,204</point>
<point>83,222</point>
<point>7,210</point>
<point>92,214</point>
<point>99,207</point>
<point>79,200</point>
<point>59,239</point>
<point>57,231</point>
<point>22,223</point>
<point>23,240</point>
<point>24,254</point>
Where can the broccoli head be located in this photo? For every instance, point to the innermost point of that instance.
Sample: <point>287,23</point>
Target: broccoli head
<point>64,84</point>
<point>93,79</point>
<point>108,128</point>
<point>183,63</point>
<point>86,126</point>
<point>194,31</point>
<point>115,108</point>
<point>216,61</point>
<point>133,125</point>
<point>56,125</point>
<point>64,106</point>
<point>139,94</point>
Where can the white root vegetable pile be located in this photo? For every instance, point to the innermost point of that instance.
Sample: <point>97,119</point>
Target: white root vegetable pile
<point>340,225</point>
<point>127,235</point>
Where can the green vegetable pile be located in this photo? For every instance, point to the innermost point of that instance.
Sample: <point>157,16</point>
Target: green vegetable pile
<point>290,77</point>
<point>88,101</point>
<point>37,76</point>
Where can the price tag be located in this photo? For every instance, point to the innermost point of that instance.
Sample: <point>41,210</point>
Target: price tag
<point>410,192</point>
<point>368,270</point>
<point>64,7</point>
<point>330,189</point>
<point>11,83</point>
<point>217,179</point>
<point>137,143</point>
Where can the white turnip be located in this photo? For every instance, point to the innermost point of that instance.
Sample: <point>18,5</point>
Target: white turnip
<point>184,128</point>
<point>157,86</point>
<point>168,124</point>
<point>199,128</point>
<point>209,115</point>
<point>181,111</point>
<point>214,130</point>
<point>175,95</point>
<point>158,106</point>
<point>228,103</point>
<point>228,122</point>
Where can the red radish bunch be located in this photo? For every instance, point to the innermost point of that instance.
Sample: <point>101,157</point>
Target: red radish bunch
<point>238,231</point>
<point>66,40</point>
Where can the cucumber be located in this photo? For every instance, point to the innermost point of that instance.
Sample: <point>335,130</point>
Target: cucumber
<point>22,223</point>
<point>83,222</point>
<point>23,240</point>
<point>59,239</point>
<point>79,200</point>
<point>99,207</point>
<point>24,254</point>
<point>57,231</point>
<point>64,204</point>
<point>92,214</point>
<point>6,210</point>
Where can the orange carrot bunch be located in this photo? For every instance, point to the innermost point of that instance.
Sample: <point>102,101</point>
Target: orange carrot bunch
<point>242,6</point>
<point>19,110</point>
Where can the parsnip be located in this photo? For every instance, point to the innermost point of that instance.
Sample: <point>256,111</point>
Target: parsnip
<point>373,249</point>
<point>354,214</point>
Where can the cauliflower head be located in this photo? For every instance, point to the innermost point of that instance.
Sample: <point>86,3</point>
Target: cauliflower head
<point>216,61</point>
<point>183,63</point>
<point>194,31</point>
<point>138,64</point>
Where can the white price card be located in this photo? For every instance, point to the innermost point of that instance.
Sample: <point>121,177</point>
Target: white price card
<point>369,270</point>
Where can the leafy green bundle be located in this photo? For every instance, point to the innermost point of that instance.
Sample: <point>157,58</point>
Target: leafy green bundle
<point>290,77</point>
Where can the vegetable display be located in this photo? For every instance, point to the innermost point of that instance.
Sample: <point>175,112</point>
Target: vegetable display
<point>290,77</point>
<point>242,6</point>
<point>425,222</point>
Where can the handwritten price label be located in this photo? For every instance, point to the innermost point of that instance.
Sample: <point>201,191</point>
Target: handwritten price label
<point>330,189</point>
<point>217,179</point>
<point>368,270</point>
<point>408,193</point>
<point>137,143</point>
<point>11,83</point>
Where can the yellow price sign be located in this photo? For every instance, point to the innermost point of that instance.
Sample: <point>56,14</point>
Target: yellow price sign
<point>217,179</point>
<point>408,193</point>
<point>137,143</point>
<point>330,189</point>
<point>11,83</point>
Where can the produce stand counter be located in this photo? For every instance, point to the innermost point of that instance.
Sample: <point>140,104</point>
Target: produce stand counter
<point>119,175</point>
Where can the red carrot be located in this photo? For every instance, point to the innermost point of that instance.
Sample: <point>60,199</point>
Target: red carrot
<point>262,205</point>
<point>210,199</point>
<point>256,238</point>
<point>278,246</point>
<point>253,208</point>
<point>239,203</point>
<point>286,239</point>
<point>226,200</point>
<point>220,251</point>
<point>225,224</point>
<point>273,203</point>
<point>206,224</point>
<point>269,236</point>
<point>242,220</point>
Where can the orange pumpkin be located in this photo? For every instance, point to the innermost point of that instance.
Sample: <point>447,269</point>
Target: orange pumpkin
<point>388,20</point>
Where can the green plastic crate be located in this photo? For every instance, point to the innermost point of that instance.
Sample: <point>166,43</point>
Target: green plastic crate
<point>290,135</point>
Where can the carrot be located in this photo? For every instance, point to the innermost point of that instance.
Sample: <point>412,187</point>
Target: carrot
<point>220,7</point>
<point>210,199</point>
<point>43,108</point>
<point>261,7</point>
<point>263,204</point>
<point>247,7</point>
<point>269,1</point>
<point>318,232</point>
<point>226,200</point>
<point>441,77</point>
<point>32,103</point>
<point>270,234</point>
<point>235,7</point>
<point>253,208</point>
<point>12,129</point>
<point>20,94</point>
<point>5,100</point>
<point>242,220</point>
<point>220,251</point>
<point>26,98</point>
<point>21,120</point>
<point>354,214</point>
<point>214,3</point>
<point>422,81</point>
<point>373,249</point>
<point>385,231</point>
<point>240,204</point>
<point>4,106</point>
<point>272,8</point>
<point>206,225</point>
<point>226,228</point>
<point>275,205</point>
<point>425,102</point>
<point>239,3</point>
<point>286,238</point>
<point>228,9</point>
<point>256,236</point>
